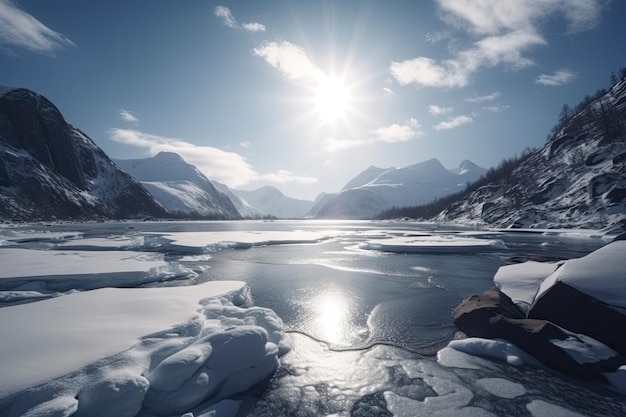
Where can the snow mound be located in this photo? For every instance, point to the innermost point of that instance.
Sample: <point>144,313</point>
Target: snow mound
<point>521,281</point>
<point>162,350</point>
<point>599,275</point>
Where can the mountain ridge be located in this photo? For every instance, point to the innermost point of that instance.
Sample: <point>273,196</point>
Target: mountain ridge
<point>180,187</point>
<point>375,189</point>
<point>50,170</point>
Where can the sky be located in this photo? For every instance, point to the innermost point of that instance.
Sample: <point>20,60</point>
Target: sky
<point>303,95</point>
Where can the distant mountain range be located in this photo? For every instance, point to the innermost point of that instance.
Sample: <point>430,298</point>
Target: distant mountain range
<point>50,170</point>
<point>377,189</point>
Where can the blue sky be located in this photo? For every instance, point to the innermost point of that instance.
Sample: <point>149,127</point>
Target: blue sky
<point>304,95</point>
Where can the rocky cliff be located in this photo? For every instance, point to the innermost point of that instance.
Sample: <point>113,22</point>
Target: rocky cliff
<point>50,170</point>
<point>578,179</point>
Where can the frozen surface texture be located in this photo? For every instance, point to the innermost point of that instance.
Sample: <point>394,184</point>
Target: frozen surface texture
<point>117,351</point>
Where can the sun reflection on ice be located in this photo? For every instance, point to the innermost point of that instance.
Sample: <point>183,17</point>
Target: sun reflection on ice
<point>332,319</point>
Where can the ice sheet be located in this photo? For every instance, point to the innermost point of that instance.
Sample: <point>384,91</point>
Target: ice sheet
<point>56,270</point>
<point>115,351</point>
<point>197,242</point>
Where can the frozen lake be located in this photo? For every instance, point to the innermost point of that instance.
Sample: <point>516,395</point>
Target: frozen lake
<point>367,306</point>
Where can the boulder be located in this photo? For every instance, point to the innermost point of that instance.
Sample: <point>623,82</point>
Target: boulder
<point>581,313</point>
<point>493,315</point>
<point>588,295</point>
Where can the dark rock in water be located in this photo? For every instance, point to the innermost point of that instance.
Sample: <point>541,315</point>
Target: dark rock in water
<point>493,315</point>
<point>580,313</point>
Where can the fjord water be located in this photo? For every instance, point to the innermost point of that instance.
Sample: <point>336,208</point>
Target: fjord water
<point>366,325</point>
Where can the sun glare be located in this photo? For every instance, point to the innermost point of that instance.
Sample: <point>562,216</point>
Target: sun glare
<point>332,99</point>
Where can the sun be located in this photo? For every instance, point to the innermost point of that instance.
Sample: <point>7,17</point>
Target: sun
<point>332,99</point>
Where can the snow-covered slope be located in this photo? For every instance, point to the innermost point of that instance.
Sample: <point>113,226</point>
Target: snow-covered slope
<point>246,210</point>
<point>51,170</point>
<point>368,194</point>
<point>180,187</point>
<point>577,180</point>
<point>273,202</point>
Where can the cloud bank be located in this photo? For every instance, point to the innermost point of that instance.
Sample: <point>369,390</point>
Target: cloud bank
<point>393,133</point>
<point>229,168</point>
<point>504,31</point>
<point>20,30</point>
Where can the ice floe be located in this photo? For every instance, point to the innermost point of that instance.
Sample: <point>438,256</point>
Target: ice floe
<point>433,244</point>
<point>26,272</point>
<point>117,351</point>
<point>198,242</point>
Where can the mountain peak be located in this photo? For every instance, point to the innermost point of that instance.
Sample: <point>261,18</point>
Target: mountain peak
<point>164,166</point>
<point>169,156</point>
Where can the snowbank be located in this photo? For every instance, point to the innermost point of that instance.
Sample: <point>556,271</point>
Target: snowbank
<point>599,274</point>
<point>116,351</point>
<point>521,281</point>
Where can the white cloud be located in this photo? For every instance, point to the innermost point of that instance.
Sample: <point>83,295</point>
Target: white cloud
<point>497,108</point>
<point>19,29</point>
<point>128,116</point>
<point>333,145</point>
<point>253,27</point>
<point>283,176</point>
<point>397,133</point>
<point>291,60</point>
<point>438,110</point>
<point>502,31</point>
<point>559,78</point>
<point>393,133</point>
<point>245,144</point>
<point>453,122</point>
<point>227,167</point>
<point>229,20</point>
<point>388,91</point>
<point>480,99</point>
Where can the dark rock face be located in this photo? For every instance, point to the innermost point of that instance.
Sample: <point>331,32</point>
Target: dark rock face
<point>50,170</point>
<point>582,166</point>
<point>493,315</point>
<point>581,313</point>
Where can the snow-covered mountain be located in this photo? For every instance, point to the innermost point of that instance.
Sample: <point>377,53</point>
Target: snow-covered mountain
<point>272,201</point>
<point>578,179</point>
<point>378,189</point>
<point>245,210</point>
<point>180,187</point>
<point>51,170</point>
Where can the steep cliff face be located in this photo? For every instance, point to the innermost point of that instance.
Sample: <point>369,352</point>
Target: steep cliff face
<point>577,180</point>
<point>51,170</point>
